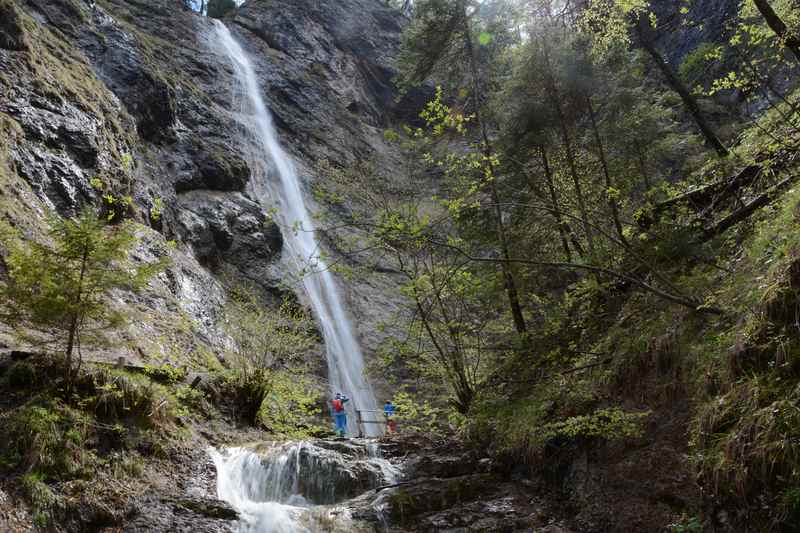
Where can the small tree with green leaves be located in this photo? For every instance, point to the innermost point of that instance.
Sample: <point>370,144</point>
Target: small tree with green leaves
<point>58,291</point>
<point>271,382</point>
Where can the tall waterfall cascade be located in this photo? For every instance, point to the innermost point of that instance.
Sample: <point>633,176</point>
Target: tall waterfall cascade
<point>282,183</point>
<point>295,487</point>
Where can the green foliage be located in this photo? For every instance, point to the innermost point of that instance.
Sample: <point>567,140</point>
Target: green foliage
<point>21,375</point>
<point>165,373</point>
<point>41,497</point>
<point>417,414</point>
<point>608,424</point>
<point>687,525</point>
<point>157,210</point>
<point>48,437</point>
<point>694,65</point>
<point>122,395</point>
<point>270,384</point>
<point>265,339</point>
<point>60,288</point>
<point>290,406</point>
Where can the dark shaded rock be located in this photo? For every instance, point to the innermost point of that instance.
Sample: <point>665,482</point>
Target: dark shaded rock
<point>230,228</point>
<point>154,107</point>
<point>445,466</point>
<point>218,171</point>
<point>208,507</point>
<point>81,143</point>
<point>427,495</point>
<point>21,355</point>
<point>12,32</point>
<point>185,514</point>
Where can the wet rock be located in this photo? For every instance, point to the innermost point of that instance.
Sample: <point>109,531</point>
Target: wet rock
<point>408,502</point>
<point>208,507</point>
<point>446,466</point>
<point>180,514</point>
<point>324,472</point>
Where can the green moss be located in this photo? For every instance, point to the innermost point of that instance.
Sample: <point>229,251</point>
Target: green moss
<point>48,436</point>
<point>165,373</point>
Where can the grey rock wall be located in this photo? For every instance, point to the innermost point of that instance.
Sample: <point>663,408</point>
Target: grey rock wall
<point>128,99</point>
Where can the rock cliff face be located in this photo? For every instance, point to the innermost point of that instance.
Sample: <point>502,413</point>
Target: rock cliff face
<point>125,103</point>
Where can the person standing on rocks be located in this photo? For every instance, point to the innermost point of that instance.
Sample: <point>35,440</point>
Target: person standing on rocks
<point>339,414</point>
<point>388,413</point>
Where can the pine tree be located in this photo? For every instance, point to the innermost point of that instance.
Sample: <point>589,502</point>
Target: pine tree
<point>58,292</point>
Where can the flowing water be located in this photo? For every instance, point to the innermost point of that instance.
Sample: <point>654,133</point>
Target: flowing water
<point>344,357</point>
<point>299,487</point>
<point>296,487</point>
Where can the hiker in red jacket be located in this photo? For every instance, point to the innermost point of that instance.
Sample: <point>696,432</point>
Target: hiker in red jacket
<point>339,414</point>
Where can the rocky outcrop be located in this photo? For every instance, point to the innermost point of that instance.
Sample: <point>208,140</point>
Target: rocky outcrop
<point>186,514</point>
<point>12,34</point>
<point>447,488</point>
<point>324,471</point>
<point>129,100</point>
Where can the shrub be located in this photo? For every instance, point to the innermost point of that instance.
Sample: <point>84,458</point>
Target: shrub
<point>40,496</point>
<point>122,395</point>
<point>165,373</point>
<point>49,437</point>
<point>21,375</point>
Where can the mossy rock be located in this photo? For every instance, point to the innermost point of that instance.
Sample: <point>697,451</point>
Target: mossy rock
<point>12,31</point>
<point>433,494</point>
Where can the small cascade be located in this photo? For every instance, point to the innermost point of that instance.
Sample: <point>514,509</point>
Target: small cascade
<point>297,486</point>
<point>244,482</point>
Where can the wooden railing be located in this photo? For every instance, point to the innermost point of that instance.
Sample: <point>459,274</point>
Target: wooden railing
<point>360,421</point>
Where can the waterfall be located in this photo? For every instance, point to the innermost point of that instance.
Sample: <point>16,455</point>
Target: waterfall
<point>244,482</point>
<point>344,357</point>
<point>299,487</point>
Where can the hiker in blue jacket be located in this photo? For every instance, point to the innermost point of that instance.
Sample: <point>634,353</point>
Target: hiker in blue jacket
<point>388,414</point>
<point>339,414</point>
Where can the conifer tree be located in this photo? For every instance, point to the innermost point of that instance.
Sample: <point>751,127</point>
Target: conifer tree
<point>59,291</point>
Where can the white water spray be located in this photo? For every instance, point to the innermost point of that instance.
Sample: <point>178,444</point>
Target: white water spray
<point>299,487</point>
<point>257,492</point>
<point>344,357</point>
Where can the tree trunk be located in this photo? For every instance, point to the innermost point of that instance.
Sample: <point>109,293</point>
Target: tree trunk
<point>573,169</point>
<point>76,318</point>
<point>612,202</point>
<point>689,102</point>
<point>779,27</point>
<point>562,228</point>
<point>643,166</point>
<point>502,237</point>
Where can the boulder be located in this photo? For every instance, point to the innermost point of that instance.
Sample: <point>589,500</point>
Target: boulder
<point>184,514</point>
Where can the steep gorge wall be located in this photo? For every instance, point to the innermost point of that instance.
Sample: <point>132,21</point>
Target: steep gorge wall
<point>128,99</point>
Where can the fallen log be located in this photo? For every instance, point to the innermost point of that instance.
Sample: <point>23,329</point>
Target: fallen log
<point>751,207</point>
<point>708,195</point>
